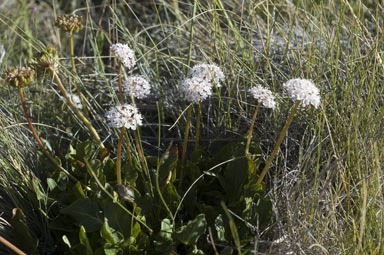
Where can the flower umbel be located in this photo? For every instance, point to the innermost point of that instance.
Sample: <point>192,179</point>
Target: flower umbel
<point>45,59</point>
<point>69,22</point>
<point>211,73</point>
<point>18,76</point>
<point>303,90</point>
<point>196,89</point>
<point>263,96</point>
<point>125,54</point>
<point>124,115</point>
<point>137,86</point>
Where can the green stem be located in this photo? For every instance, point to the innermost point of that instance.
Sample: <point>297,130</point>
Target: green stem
<point>277,146</point>
<point>74,108</point>
<point>142,159</point>
<point>198,120</point>
<point>251,129</point>
<point>92,173</point>
<point>186,134</point>
<point>71,52</point>
<point>37,138</point>
<point>118,162</point>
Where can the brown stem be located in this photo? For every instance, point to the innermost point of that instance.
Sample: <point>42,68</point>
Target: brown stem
<point>118,162</point>
<point>37,138</point>
<point>251,129</point>
<point>120,84</point>
<point>277,145</point>
<point>11,246</point>
<point>73,107</point>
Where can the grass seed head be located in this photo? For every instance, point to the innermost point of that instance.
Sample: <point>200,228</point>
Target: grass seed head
<point>19,76</point>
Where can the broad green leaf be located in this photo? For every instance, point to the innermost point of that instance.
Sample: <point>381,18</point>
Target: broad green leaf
<point>84,241</point>
<point>23,238</point>
<point>190,233</point>
<point>85,149</point>
<point>235,175</point>
<point>166,229</point>
<point>51,184</point>
<point>85,212</point>
<point>172,198</point>
<point>36,184</point>
<point>117,218</point>
<point>109,234</point>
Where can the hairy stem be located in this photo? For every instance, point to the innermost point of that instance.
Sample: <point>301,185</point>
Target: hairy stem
<point>37,138</point>
<point>118,162</point>
<point>186,134</point>
<point>277,145</point>
<point>251,129</point>
<point>198,120</point>
<point>74,108</point>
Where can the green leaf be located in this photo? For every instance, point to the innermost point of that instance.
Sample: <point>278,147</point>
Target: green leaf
<point>109,234</point>
<point>117,218</point>
<point>235,175</point>
<point>66,241</point>
<point>36,184</point>
<point>171,197</point>
<point>166,229</point>
<point>51,184</point>
<point>85,212</point>
<point>220,228</point>
<point>85,150</point>
<point>190,233</point>
<point>23,238</point>
<point>84,241</point>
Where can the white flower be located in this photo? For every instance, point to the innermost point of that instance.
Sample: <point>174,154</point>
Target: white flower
<point>196,89</point>
<point>125,54</point>
<point>124,115</point>
<point>137,86</point>
<point>75,99</point>
<point>303,90</point>
<point>263,96</point>
<point>211,73</point>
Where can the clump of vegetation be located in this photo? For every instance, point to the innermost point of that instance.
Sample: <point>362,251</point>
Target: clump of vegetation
<point>167,128</point>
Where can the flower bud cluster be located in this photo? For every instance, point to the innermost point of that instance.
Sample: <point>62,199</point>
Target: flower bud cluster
<point>69,22</point>
<point>18,76</point>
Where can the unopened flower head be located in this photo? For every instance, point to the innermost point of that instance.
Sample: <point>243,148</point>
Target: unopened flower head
<point>125,54</point>
<point>69,22</point>
<point>264,96</point>
<point>18,76</point>
<point>196,89</point>
<point>44,60</point>
<point>124,115</point>
<point>212,73</point>
<point>303,90</point>
<point>75,99</point>
<point>137,86</point>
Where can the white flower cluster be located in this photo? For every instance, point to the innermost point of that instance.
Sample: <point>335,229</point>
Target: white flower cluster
<point>137,86</point>
<point>211,73</point>
<point>125,115</point>
<point>263,96</point>
<point>125,54</point>
<point>199,86</point>
<point>196,89</point>
<point>304,91</point>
